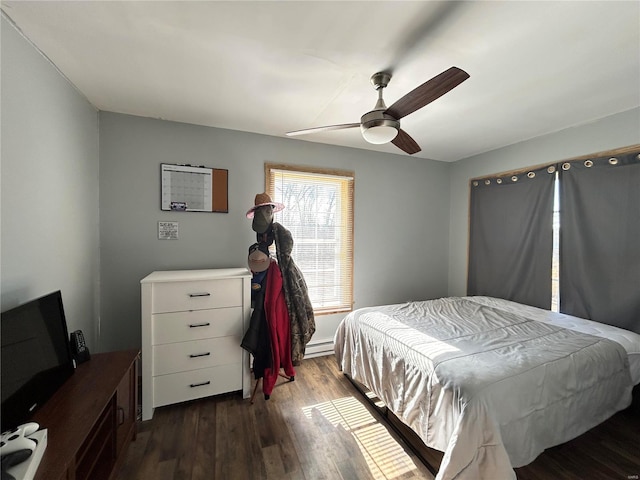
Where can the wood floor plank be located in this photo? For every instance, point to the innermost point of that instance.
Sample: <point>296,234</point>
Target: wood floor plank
<point>205,443</point>
<point>225,441</point>
<point>135,454</point>
<point>184,451</point>
<point>272,457</point>
<point>320,427</point>
<point>153,449</point>
<point>312,461</point>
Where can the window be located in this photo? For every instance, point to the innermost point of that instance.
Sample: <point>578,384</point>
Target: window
<point>319,215</point>
<point>555,262</point>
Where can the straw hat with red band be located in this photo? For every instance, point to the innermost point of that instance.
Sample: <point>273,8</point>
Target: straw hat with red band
<point>261,200</point>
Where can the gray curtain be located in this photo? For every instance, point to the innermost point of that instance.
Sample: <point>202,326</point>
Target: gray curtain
<point>600,240</point>
<point>511,237</point>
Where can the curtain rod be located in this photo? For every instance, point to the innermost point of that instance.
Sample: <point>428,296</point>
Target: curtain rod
<point>617,151</point>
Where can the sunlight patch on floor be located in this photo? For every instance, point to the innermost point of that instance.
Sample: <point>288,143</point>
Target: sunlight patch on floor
<point>385,458</point>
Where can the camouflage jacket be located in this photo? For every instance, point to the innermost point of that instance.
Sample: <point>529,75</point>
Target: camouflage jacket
<point>296,294</point>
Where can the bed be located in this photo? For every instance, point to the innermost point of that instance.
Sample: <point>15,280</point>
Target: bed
<point>489,382</point>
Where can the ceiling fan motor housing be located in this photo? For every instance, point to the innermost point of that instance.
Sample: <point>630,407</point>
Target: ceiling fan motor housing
<point>378,120</point>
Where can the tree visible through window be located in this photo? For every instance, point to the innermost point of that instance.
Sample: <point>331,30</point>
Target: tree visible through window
<point>319,214</point>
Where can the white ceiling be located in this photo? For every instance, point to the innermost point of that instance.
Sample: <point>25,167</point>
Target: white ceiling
<point>272,67</point>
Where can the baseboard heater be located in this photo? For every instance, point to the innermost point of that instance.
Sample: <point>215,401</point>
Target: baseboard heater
<point>319,349</point>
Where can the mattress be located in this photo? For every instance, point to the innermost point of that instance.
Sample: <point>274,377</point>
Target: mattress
<point>630,341</point>
<point>490,383</point>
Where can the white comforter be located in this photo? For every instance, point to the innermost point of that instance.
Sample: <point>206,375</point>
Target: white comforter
<point>478,379</point>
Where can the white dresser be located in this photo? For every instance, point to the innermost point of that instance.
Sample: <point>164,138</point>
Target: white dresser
<point>192,325</point>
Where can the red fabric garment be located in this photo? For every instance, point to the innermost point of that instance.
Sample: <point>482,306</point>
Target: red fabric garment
<point>275,309</point>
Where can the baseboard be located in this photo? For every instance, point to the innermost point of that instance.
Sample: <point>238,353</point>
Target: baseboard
<point>319,348</point>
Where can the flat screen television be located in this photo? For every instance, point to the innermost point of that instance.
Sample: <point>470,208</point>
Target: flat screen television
<point>36,357</point>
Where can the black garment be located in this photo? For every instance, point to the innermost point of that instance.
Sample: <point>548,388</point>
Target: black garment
<point>256,340</point>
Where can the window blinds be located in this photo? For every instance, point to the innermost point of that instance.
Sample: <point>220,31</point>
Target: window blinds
<point>319,214</point>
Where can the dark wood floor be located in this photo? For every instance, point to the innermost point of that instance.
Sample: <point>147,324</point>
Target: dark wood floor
<point>321,427</point>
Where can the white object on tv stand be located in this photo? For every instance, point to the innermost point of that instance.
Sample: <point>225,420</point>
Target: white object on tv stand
<point>27,469</point>
<point>192,326</point>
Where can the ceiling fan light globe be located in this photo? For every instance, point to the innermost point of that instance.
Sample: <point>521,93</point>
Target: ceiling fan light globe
<point>379,134</point>
<point>378,127</point>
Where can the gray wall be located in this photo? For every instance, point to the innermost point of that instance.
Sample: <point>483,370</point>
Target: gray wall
<point>49,200</point>
<point>608,133</point>
<point>401,215</point>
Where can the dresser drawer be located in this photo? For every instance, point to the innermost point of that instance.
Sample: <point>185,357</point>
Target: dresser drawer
<point>196,295</point>
<point>182,356</point>
<point>197,324</point>
<point>179,387</point>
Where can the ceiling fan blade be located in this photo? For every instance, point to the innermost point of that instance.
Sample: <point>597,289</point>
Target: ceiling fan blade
<point>427,92</point>
<point>405,143</point>
<point>322,129</point>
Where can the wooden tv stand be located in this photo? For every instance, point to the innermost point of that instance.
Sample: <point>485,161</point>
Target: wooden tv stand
<point>91,419</point>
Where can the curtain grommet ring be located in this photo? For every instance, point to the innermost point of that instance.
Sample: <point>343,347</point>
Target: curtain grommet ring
<point>588,163</point>
<point>514,178</point>
<point>613,161</point>
<point>475,183</point>
<point>487,182</point>
<point>531,174</point>
<point>566,166</point>
<point>499,180</point>
<point>551,169</point>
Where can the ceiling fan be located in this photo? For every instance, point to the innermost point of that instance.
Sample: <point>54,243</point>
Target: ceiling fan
<point>382,124</point>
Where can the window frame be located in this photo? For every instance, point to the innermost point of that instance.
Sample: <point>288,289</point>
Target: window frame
<point>347,244</point>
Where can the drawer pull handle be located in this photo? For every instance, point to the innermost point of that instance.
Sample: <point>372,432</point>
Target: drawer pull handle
<point>193,385</point>
<point>195,325</point>
<point>202,294</point>
<point>196,355</point>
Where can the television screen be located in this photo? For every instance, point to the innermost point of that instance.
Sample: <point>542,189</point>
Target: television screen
<point>36,357</point>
